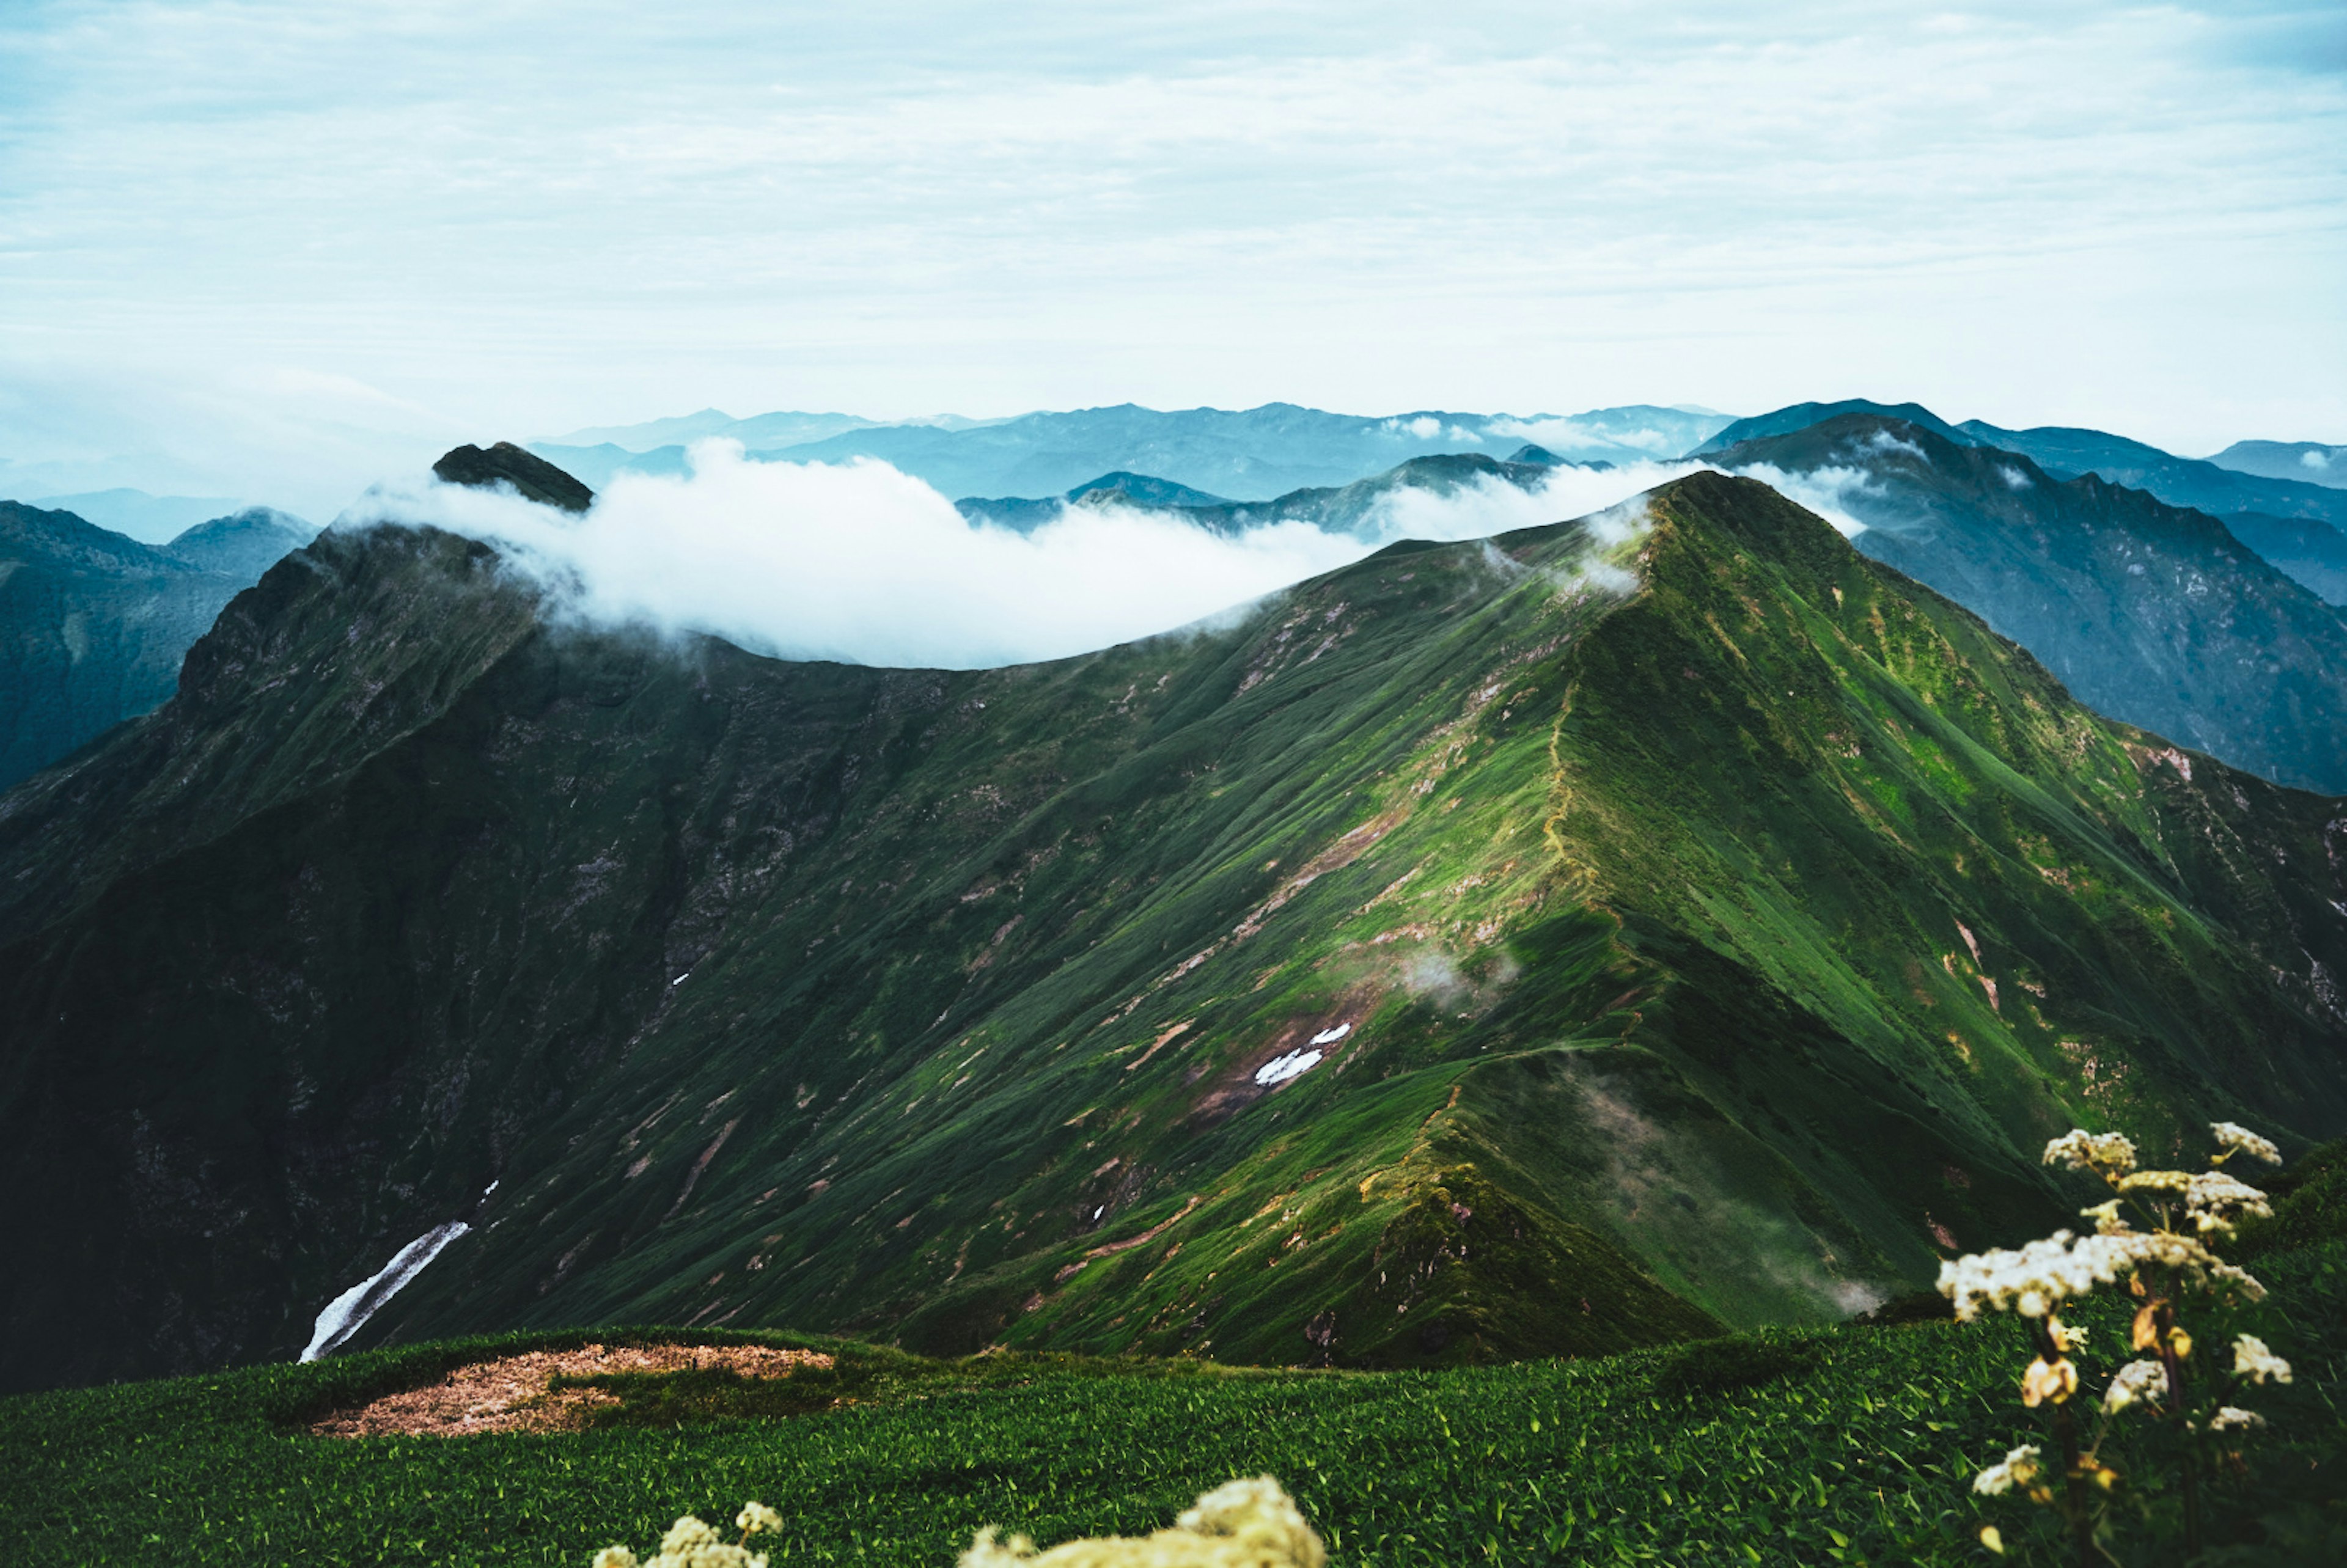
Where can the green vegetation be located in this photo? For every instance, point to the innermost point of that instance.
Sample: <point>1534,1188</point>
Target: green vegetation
<point>1860,1448</point>
<point>1699,958</point>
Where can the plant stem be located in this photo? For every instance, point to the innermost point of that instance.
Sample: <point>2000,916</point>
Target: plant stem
<point>2191,1467</point>
<point>2065,1431</point>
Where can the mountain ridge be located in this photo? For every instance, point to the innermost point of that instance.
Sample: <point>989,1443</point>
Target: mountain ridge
<point>1672,959</point>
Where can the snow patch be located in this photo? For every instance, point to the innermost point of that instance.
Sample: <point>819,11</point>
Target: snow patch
<point>1331,1036</point>
<point>1280,1069</point>
<point>346,1313</point>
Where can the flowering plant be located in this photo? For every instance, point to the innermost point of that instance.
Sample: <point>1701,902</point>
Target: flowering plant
<point>2188,1212</point>
<point>691,1544</point>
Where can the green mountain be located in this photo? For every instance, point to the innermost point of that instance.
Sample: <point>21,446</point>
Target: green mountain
<point>2156,614</point>
<point>1477,951</point>
<point>93,624</point>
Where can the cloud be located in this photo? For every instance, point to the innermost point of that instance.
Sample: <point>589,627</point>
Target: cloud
<point>861,563</point>
<point>2015,479</point>
<point>1825,491</point>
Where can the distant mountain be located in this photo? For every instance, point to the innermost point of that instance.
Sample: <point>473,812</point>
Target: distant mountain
<point>2065,453</point>
<point>1801,415</point>
<point>1449,958</point>
<point>244,545</point>
<point>149,519</point>
<point>1252,454</point>
<point>2154,614</point>
<point>1356,508</point>
<point>2308,462</point>
<point>779,429</point>
<point>2178,481</point>
<point>2314,553</point>
<point>94,624</point>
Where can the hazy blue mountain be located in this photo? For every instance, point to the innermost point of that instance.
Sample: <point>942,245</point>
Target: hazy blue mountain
<point>1252,454</point>
<point>1353,508</point>
<point>2154,614</point>
<point>2308,462</point>
<point>245,544</point>
<point>149,519</point>
<point>1801,415</point>
<point>94,624</point>
<point>2178,481</point>
<point>2313,552</point>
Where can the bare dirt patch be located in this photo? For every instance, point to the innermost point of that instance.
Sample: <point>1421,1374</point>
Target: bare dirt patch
<point>515,1393</point>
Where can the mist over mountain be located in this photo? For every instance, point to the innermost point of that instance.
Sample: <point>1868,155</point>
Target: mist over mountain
<point>93,624</point>
<point>2154,614</point>
<point>1578,938</point>
<point>1252,454</point>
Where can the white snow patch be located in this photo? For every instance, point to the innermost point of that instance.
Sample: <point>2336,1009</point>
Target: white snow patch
<point>1280,1069</point>
<point>346,1313</point>
<point>488,1189</point>
<point>680,980</point>
<point>1331,1036</point>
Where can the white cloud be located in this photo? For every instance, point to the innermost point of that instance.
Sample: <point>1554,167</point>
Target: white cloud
<point>862,563</point>
<point>1825,491</point>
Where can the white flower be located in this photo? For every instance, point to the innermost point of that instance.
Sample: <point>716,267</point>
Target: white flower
<point>2018,1468</point>
<point>2135,1382</point>
<point>2216,1200</point>
<point>2106,1154</point>
<point>615,1557</point>
<point>2034,1281</point>
<point>685,1535</point>
<point>2232,1416</point>
<point>755,1517</point>
<point>2135,1182</point>
<point>2236,1139</point>
<point>2252,1361</point>
<point>2066,1337</point>
<point>2106,1219</point>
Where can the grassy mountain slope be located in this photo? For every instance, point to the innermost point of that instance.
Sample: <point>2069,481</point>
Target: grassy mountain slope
<point>2156,614</point>
<point>1709,956</point>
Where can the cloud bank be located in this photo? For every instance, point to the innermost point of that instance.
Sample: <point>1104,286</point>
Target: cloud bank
<point>861,563</point>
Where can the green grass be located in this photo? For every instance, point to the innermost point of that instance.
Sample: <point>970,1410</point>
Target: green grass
<point>1853,1445</point>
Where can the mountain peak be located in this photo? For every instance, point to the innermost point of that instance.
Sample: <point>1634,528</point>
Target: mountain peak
<point>531,475</point>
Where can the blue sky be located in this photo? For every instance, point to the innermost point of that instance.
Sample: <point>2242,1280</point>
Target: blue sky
<point>271,248</point>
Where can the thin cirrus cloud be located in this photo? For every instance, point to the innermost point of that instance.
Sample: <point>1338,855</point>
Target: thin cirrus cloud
<point>861,563</point>
<point>533,216</point>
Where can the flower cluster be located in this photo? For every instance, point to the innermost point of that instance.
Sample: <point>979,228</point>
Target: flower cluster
<point>2252,1361</point>
<point>2018,1468</point>
<point>1240,1524</point>
<point>691,1544</point>
<point>2108,1154</point>
<point>2034,1281</point>
<point>2235,1138</point>
<point>2136,1383</point>
<point>2232,1418</point>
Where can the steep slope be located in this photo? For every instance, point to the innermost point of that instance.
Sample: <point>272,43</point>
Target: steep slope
<point>93,625</point>
<point>1457,959</point>
<point>2311,554</point>
<point>1253,454</point>
<point>2157,615</point>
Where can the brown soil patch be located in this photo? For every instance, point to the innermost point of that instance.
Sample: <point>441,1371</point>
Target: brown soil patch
<point>511,1394</point>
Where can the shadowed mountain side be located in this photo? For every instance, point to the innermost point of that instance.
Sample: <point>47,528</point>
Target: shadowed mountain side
<point>2152,613</point>
<point>93,624</point>
<point>2307,462</point>
<point>1453,960</point>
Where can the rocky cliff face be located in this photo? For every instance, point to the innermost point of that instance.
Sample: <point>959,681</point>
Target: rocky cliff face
<point>1460,957</point>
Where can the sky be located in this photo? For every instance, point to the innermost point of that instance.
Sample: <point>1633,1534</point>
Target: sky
<point>277,250</point>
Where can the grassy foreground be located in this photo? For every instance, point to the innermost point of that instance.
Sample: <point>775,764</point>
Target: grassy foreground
<point>1858,1446</point>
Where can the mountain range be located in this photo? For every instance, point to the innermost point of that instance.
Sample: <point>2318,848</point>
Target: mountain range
<point>2156,614</point>
<point>1603,933</point>
<point>1250,454</point>
<point>93,624</point>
